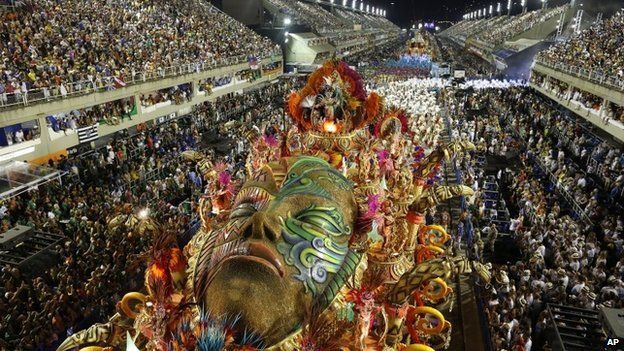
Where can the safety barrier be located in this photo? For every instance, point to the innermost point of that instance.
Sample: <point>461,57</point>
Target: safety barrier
<point>593,75</point>
<point>483,321</point>
<point>46,94</point>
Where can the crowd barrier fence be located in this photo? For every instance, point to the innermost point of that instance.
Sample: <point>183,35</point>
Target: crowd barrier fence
<point>593,75</point>
<point>477,290</point>
<point>46,94</point>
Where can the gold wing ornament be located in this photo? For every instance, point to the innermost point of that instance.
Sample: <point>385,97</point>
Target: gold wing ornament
<point>437,194</point>
<point>109,335</point>
<point>420,278</point>
<point>206,167</point>
<point>443,153</point>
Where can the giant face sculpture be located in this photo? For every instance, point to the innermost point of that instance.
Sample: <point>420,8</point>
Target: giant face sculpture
<point>283,250</point>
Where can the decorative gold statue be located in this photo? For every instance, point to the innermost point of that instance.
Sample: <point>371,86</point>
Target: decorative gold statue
<point>325,250</point>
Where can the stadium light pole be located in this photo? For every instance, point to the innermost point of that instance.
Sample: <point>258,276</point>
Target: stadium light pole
<point>508,7</point>
<point>362,6</point>
<point>498,8</point>
<point>491,10</point>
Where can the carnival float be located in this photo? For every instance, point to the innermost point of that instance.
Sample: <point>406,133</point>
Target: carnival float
<point>323,247</point>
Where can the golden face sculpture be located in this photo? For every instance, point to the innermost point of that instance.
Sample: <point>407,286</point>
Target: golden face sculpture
<point>284,249</point>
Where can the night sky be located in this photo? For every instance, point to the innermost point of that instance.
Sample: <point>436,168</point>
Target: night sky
<point>406,12</point>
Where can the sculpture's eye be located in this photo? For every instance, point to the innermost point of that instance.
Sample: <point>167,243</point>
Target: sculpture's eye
<point>243,210</point>
<point>328,219</point>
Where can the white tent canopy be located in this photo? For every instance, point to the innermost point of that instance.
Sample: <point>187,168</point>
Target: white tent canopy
<point>17,177</point>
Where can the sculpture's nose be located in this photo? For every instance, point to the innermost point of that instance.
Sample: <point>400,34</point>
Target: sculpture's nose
<point>258,228</point>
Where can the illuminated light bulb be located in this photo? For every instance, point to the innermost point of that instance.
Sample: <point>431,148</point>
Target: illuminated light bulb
<point>330,127</point>
<point>143,213</point>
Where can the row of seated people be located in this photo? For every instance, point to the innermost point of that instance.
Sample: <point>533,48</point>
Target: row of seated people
<point>115,112</point>
<point>609,112</point>
<point>564,258</point>
<point>313,15</point>
<point>484,26</point>
<point>597,49</point>
<point>130,173</point>
<point>461,27</point>
<point>474,65</point>
<point>518,24</point>
<point>78,45</point>
<point>322,20</point>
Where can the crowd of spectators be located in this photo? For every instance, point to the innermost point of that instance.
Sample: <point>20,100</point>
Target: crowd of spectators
<point>515,25</point>
<point>111,113</point>
<point>20,133</point>
<point>474,65</point>
<point>61,48</point>
<point>467,28</point>
<point>566,220</point>
<point>98,264</point>
<point>314,15</point>
<point>324,21</point>
<point>175,95</point>
<point>591,102</point>
<point>598,49</point>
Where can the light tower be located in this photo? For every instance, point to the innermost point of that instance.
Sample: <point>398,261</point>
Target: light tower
<point>508,7</point>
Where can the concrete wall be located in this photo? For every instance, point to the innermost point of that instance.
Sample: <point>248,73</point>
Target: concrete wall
<point>603,91</point>
<point>48,145</point>
<point>31,112</point>
<point>542,30</point>
<point>607,93</point>
<point>614,129</point>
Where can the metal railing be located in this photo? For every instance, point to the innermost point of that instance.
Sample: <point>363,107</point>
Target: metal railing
<point>468,227</point>
<point>46,94</point>
<point>593,75</point>
<point>521,137</point>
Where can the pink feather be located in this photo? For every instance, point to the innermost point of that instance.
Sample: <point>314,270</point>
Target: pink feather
<point>224,179</point>
<point>373,206</point>
<point>270,140</point>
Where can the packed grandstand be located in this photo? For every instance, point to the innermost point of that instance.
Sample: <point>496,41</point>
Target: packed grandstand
<point>175,178</point>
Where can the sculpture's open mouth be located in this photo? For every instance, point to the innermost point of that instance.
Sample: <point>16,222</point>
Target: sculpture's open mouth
<point>259,253</point>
